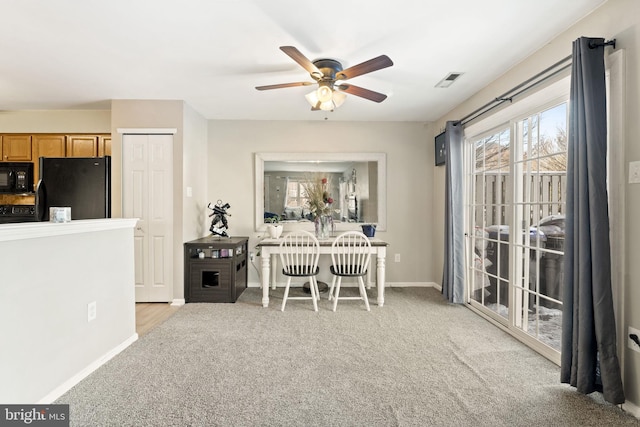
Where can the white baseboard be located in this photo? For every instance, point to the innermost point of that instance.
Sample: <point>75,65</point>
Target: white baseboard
<point>435,285</point>
<point>387,285</point>
<point>67,385</point>
<point>178,302</point>
<point>632,409</point>
<point>412,285</point>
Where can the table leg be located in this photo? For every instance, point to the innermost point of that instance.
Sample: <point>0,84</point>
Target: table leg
<point>381,278</point>
<point>274,270</point>
<point>265,279</point>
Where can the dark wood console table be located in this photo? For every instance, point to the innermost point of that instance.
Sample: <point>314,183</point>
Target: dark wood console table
<point>215,269</point>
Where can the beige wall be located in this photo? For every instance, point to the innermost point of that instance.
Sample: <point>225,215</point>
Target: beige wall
<point>232,145</point>
<point>227,154</point>
<point>194,222</point>
<point>619,19</point>
<point>71,121</point>
<point>130,114</point>
<point>189,143</point>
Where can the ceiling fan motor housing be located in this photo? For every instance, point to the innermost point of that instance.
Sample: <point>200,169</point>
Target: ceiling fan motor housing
<point>329,69</point>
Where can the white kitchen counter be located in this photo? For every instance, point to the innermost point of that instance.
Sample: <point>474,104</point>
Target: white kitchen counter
<point>33,230</point>
<point>51,277</point>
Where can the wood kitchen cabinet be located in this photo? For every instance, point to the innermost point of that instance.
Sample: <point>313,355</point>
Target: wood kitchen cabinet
<point>17,148</point>
<point>47,146</point>
<point>30,147</point>
<point>104,145</point>
<point>88,145</point>
<point>82,146</point>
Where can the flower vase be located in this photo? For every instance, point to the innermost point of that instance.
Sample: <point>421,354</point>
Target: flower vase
<point>275,230</point>
<point>324,225</point>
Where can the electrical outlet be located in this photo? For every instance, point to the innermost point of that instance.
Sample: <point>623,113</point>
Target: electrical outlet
<point>92,311</point>
<point>397,258</point>
<point>633,345</point>
<point>634,172</point>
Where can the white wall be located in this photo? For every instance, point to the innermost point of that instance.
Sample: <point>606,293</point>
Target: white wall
<point>409,148</point>
<point>48,279</point>
<point>619,19</point>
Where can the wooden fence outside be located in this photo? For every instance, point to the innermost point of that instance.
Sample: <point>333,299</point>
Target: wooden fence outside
<point>546,192</point>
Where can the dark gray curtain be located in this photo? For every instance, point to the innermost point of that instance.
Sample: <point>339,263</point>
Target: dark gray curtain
<point>453,274</point>
<point>589,359</point>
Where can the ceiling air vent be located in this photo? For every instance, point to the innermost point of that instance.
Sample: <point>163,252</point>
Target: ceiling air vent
<point>448,80</point>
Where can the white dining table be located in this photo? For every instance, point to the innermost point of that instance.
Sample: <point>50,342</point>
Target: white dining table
<point>270,249</point>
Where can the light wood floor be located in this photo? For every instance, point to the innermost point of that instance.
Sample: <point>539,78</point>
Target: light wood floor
<point>151,314</point>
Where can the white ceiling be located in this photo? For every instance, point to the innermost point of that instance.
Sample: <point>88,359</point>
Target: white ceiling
<point>79,54</point>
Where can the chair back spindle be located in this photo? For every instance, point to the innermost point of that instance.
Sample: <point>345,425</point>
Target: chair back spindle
<point>299,256</point>
<point>351,254</point>
<point>350,257</point>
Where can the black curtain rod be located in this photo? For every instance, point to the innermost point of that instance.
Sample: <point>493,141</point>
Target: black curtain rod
<point>505,96</point>
<point>607,43</point>
<point>531,82</point>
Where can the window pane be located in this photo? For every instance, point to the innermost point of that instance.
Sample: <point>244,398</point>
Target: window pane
<point>553,129</point>
<point>505,141</point>
<point>292,189</point>
<point>479,155</point>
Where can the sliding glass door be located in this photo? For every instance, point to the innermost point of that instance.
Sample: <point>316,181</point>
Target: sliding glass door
<point>490,219</point>
<point>517,193</point>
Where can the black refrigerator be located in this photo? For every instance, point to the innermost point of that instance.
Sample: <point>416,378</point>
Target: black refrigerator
<point>81,183</point>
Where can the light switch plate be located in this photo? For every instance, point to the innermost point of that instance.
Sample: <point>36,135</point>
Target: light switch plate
<point>92,311</point>
<point>634,172</point>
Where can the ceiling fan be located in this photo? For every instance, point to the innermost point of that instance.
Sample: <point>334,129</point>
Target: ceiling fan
<point>329,75</point>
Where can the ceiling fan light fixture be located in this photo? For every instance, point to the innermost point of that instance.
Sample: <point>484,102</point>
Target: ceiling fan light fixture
<point>327,106</point>
<point>312,98</point>
<point>324,93</point>
<point>338,98</point>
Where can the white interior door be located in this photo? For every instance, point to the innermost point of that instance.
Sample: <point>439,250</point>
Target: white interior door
<point>147,177</point>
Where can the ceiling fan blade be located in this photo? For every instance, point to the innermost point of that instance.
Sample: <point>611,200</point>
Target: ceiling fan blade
<point>283,85</point>
<point>362,92</point>
<point>382,61</point>
<point>297,56</point>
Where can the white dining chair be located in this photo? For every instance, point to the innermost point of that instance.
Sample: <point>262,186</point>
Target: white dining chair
<point>299,254</point>
<point>350,257</point>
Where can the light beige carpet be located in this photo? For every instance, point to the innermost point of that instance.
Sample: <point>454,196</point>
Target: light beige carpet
<point>417,361</point>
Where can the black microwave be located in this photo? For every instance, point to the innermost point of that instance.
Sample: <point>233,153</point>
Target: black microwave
<point>16,177</point>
